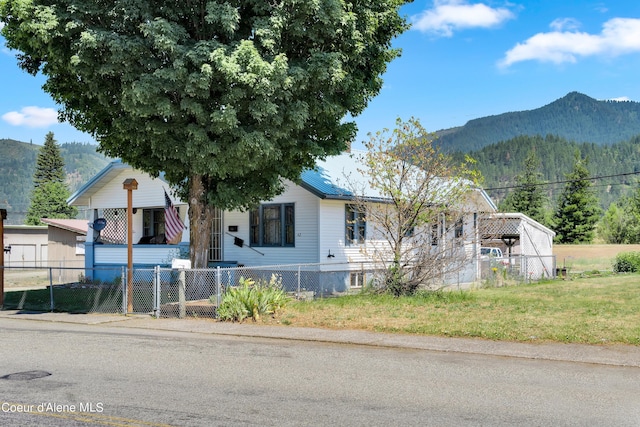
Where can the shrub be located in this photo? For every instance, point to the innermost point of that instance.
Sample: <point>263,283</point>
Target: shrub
<point>252,299</point>
<point>627,262</point>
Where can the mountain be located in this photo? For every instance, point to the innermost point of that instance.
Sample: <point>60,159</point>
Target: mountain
<point>575,117</point>
<point>18,163</point>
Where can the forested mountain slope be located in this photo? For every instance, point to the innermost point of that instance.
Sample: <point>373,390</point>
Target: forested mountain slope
<point>575,117</point>
<point>501,162</point>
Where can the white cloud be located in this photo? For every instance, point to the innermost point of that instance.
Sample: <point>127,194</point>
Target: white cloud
<point>565,24</point>
<point>449,15</point>
<point>33,117</point>
<point>620,99</point>
<point>619,36</point>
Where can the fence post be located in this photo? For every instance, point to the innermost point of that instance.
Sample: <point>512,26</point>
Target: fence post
<point>218,287</point>
<point>51,288</point>
<point>123,280</point>
<point>298,295</point>
<point>156,291</point>
<point>182,300</point>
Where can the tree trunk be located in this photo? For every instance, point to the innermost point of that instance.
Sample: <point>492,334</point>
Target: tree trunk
<point>200,218</point>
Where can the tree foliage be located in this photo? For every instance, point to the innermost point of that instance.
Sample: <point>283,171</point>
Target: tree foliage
<point>529,195</point>
<point>500,163</point>
<point>577,211</point>
<point>50,193</point>
<point>225,97</point>
<point>620,223</point>
<point>416,230</point>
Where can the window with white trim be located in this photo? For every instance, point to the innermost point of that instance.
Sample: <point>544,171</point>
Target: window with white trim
<point>356,225</point>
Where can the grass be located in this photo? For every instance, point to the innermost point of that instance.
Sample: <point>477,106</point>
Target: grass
<point>588,310</point>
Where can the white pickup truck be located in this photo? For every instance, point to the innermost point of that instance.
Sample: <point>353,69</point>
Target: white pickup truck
<point>491,252</point>
<point>494,254</point>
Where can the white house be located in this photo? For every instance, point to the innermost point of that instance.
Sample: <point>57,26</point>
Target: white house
<point>306,224</point>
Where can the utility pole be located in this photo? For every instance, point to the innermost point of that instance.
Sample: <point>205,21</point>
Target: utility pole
<point>3,216</point>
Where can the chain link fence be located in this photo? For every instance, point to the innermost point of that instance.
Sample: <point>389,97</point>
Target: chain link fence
<point>62,289</point>
<point>165,292</point>
<point>518,269</point>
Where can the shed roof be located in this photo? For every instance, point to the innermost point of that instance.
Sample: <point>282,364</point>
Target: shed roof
<point>79,226</point>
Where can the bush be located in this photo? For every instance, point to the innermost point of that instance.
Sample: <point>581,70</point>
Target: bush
<point>252,299</point>
<point>627,262</point>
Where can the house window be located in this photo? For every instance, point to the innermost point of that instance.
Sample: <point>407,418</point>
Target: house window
<point>459,228</point>
<point>152,222</point>
<point>272,225</point>
<point>356,225</point>
<point>357,279</point>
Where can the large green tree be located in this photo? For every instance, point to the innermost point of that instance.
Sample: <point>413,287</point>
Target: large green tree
<point>528,197</point>
<point>620,223</point>
<point>225,96</point>
<point>577,211</point>
<point>50,193</point>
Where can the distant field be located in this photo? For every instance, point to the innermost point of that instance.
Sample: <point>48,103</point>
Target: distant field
<point>578,258</point>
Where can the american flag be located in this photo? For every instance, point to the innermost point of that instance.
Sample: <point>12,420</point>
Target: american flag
<point>173,225</point>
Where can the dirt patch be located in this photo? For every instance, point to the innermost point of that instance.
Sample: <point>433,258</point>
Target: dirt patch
<point>200,308</point>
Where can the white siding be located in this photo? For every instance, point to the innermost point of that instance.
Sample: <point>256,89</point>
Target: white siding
<point>333,234</point>
<point>306,233</point>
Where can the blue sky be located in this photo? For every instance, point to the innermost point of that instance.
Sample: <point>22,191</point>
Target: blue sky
<point>462,59</point>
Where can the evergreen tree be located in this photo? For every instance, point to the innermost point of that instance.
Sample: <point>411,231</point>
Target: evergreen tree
<point>577,211</point>
<point>50,164</point>
<point>50,194</point>
<point>528,197</point>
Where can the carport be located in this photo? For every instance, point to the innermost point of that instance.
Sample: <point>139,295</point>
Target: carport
<point>520,237</point>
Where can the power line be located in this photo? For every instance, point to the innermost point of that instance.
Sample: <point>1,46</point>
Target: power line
<point>564,181</point>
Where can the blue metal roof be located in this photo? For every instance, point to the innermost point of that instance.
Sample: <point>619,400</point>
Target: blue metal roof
<point>337,177</point>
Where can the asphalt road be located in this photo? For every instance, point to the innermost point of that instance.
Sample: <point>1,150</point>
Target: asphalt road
<point>82,374</point>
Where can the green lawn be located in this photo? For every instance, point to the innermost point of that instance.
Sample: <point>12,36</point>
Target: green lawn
<point>588,310</point>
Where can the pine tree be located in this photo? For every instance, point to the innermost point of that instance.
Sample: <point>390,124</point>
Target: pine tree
<point>577,211</point>
<point>50,194</point>
<point>528,197</point>
<point>50,164</point>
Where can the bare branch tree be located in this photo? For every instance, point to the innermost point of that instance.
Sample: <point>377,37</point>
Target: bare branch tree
<point>418,208</point>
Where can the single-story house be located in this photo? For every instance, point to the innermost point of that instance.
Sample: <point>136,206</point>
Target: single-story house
<point>309,223</point>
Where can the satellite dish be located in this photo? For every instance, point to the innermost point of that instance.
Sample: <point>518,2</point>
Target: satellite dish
<point>99,224</point>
